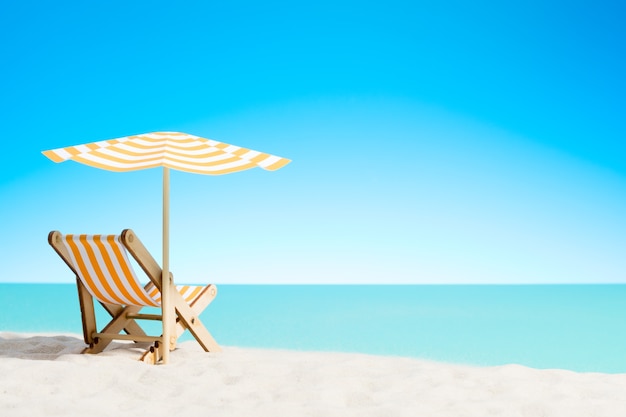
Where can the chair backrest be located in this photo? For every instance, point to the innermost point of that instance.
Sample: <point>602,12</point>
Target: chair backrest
<point>103,267</point>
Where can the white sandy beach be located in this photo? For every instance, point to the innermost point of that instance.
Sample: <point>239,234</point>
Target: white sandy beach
<point>41,375</point>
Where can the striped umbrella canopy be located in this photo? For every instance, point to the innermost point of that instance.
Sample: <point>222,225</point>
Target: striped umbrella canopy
<point>173,150</point>
<point>170,150</point>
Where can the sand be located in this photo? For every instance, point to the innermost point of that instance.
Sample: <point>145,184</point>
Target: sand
<point>42,375</point>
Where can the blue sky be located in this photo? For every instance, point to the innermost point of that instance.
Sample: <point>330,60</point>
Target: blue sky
<point>432,142</point>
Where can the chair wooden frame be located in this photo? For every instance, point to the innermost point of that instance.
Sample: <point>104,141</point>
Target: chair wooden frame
<point>124,317</point>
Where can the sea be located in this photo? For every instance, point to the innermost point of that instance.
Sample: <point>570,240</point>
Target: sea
<point>574,327</point>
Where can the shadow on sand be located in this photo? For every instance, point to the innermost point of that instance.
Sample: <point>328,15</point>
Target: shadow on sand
<point>40,347</point>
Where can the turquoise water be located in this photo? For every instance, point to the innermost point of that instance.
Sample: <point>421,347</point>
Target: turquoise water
<point>576,327</point>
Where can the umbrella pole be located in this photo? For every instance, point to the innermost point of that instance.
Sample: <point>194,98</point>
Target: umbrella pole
<point>165,276</point>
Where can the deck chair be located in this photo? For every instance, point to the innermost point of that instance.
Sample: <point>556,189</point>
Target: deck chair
<point>104,273</point>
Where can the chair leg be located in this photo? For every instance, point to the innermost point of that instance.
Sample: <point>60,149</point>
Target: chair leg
<point>87,312</point>
<point>119,313</point>
<point>205,298</point>
<point>116,325</point>
<point>153,355</point>
<point>191,320</point>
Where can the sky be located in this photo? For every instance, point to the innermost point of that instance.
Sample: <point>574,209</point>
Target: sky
<point>431,141</point>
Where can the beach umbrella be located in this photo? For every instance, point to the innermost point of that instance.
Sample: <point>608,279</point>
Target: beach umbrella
<point>169,150</point>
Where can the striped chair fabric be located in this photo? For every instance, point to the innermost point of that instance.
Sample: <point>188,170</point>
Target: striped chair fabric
<point>102,265</point>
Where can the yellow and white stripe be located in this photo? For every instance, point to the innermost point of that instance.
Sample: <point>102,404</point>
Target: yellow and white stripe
<point>103,266</point>
<point>189,292</point>
<point>173,150</point>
